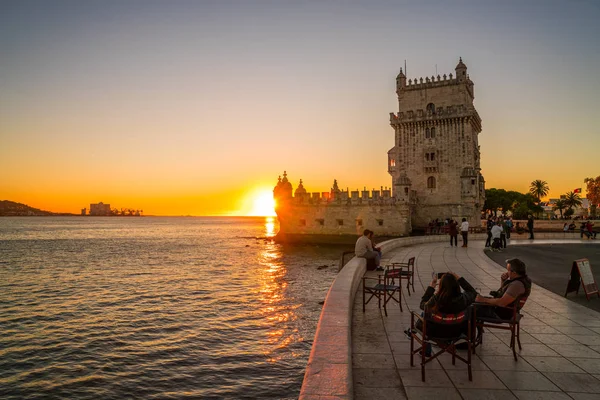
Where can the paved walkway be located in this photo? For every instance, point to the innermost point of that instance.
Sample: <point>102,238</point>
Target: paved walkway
<point>561,341</point>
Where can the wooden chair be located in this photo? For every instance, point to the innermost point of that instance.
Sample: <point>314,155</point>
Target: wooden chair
<point>513,324</point>
<point>446,344</point>
<point>384,288</point>
<point>397,270</point>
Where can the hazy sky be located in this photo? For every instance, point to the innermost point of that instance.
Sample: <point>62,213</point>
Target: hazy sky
<point>189,107</point>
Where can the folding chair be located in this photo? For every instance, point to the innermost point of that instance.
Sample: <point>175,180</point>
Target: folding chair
<point>384,288</point>
<point>514,323</point>
<point>446,344</point>
<point>396,270</point>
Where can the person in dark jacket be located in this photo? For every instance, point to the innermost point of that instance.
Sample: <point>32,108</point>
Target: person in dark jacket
<point>530,226</point>
<point>448,299</point>
<point>453,231</point>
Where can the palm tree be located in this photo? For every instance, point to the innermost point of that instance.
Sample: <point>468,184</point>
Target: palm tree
<point>539,189</point>
<point>572,200</point>
<point>560,205</point>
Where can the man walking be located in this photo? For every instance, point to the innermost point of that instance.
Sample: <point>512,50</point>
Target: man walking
<point>464,231</point>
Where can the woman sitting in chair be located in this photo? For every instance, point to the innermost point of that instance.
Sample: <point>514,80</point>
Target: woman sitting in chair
<point>448,299</point>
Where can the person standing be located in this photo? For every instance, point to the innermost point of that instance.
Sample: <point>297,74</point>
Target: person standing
<point>496,237</point>
<point>464,231</point>
<point>453,231</point>
<point>509,226</point>
<point>530,226</point>
<point>502,224</point>
<point>490,224</point>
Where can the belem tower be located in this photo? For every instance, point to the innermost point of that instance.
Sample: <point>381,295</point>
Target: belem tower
<point>434,164</point>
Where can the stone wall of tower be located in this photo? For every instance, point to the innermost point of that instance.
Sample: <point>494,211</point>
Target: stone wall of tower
<point>436,147</point>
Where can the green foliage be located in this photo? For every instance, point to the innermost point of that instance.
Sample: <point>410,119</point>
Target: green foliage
<point>568,213</point>
<point>520,204</point>
<point>539,189</point>
<point>573,200</point>
<point>560,205</point>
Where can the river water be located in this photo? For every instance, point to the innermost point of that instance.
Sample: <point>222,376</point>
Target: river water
<point>156,308</point>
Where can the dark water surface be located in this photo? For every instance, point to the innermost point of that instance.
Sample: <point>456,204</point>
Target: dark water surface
<point>155,307</point>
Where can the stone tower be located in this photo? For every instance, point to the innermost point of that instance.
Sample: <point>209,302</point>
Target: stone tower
<point>435,162</point>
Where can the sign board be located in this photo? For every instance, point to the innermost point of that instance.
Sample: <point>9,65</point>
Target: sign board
<point>581,273</point>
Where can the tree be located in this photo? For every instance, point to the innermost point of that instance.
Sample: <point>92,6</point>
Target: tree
<point>560,206</point>
<point>539,189</point>
<point>572,200</point>
<point>593,193</point>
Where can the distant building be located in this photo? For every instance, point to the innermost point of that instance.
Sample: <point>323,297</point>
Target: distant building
<point>84,211</point>
<point>100,209</point>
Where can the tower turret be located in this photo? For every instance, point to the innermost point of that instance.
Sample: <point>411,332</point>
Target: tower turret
<point>461,71</point>
<point>400,80</point>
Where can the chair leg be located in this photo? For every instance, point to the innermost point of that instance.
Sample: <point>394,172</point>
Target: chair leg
<point>512,342</point>
<point>423,347</point>
<point>519,336</point>
<point>363,296</point>
<point>469,361</point>
<point>385,302</point>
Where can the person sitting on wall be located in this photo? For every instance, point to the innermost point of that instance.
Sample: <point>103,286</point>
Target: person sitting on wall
<point>590,229</point>
<point>584,231</point>
<point>514,284</point>
<point>572,226</point>
<point>377,249</point>
<point>364,249</point>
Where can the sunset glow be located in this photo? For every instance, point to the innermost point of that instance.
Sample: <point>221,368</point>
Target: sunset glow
<point>263,205</point>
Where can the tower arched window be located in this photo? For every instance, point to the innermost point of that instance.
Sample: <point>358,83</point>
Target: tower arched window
<point>431,182</point>
<point>427,133</point>
<point>431,108</point>
<point>432,133</point>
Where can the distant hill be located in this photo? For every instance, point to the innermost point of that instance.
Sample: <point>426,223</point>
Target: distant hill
<point>10,208</point>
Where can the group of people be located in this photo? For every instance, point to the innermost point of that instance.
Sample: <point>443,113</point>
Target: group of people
<point>453,231</point>
<point>498,231</point>
<point>444,295</point>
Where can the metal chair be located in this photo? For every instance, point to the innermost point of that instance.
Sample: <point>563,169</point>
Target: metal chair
<point>383,289</point>
<point>512,324</point>
<point>396,270</point>
<point>446,344</point>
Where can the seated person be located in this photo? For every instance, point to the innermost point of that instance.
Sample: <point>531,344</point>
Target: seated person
<point>514,284</point>
<point>584,231</point>
<point>565,227</point>
<point>377,249</point>
<point>572,226</point>
<point>447,299</point>
<point>364,249</point>
<point>590,228</point>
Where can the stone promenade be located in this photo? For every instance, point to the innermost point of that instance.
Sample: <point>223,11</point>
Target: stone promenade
<point>561,341</point>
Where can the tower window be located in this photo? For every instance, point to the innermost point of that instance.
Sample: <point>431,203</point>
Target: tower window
<point>359,222</point>
<point>431,108</point>
<point>427,156</point>
<point>340,222</point>
<point>320,221</point>
<point>405,190</point>
<point>392,163</point>
<point>472,181</point>
<point>302,222</point>
<point>380,222</point>
<point>427,133</point>
<point>431,182</point>
<point>432,133</point>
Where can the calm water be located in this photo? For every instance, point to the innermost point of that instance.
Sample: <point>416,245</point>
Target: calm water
<point>155,307</point>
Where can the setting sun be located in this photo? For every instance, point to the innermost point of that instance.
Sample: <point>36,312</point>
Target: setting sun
<point>263,204</point>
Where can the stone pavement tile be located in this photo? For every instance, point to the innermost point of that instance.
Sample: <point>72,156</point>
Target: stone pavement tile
<point>538,350</point>
<point>526,381</point>
<point>525,338</point>
<point>535,395</point>
<point>589,365</point>
<point>583,396</point>
<point>369,393</point>
<point>496,349</point>
<point>427,393</point>
<point>481,380</point>
<point>433,378</point>
<point>591,323</point>
<point>506,363</point>
<point>372,360</point>
<point>372,377</point>
<point>575,330</point>
<point>538,329</point>
<point>530,321</point>
<point>550,338</point>
<point>595,348</point>
<point>568,382</point>
<point>488,394</point>
<point>403,362</point>
<point>553,364</point>
<point>588,340</point>
<point>576,351</point>
<point>401,347</point>
<point>476,363</point>
<point>359,347</point>
<point>597,330</point>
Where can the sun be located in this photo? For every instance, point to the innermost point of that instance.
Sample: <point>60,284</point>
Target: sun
<point>263,204</point>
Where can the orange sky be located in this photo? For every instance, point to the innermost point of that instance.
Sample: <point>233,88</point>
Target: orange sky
<point>190,109</point>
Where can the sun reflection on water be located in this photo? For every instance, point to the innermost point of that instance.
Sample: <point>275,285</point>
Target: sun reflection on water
<point>270,226</point>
